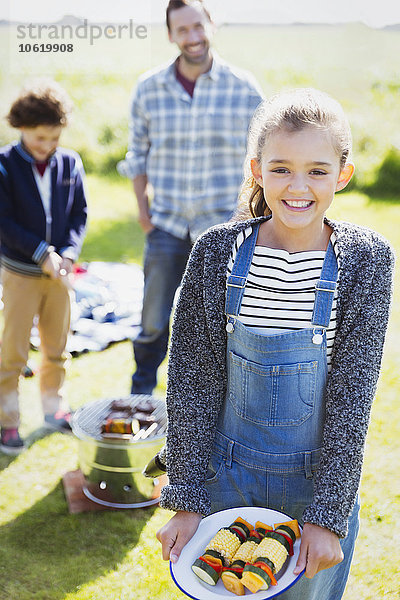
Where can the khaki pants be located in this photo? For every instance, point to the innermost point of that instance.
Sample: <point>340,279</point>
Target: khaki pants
<point>23,298</point>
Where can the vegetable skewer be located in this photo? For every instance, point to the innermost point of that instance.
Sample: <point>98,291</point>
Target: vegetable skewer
<point>269,556</point>
<point>231,576</point>
<point>245,557</point>
<point>220,551</point>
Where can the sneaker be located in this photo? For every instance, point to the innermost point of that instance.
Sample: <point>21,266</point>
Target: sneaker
<point>10,442</point>
<point>59,421</point>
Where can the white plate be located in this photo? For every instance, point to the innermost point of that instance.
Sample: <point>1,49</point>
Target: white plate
<point>193,587</point>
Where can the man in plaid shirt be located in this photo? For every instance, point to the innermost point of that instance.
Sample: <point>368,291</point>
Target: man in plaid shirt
<point>188,130</point>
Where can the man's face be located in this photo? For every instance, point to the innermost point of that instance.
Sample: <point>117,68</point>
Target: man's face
<point>191,30</point>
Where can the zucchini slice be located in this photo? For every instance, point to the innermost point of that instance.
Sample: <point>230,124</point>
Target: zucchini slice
<point>268,562</point>
<point>238,563</point>
<point>246,526</point>
<point>205,572</point>
<point>215,554</point>
<point>288,530</point>
<point>255,578</point>
<point>238,531</point>
<point>294,525</point>
<point>279,538</point>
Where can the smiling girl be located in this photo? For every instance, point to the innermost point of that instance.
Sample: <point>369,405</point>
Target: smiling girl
<point>276,347</point>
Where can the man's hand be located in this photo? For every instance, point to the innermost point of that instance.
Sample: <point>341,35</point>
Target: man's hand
<point>141,193</point>
<point>319,549</point>
<point>145,223</point>
<point>176,533</point>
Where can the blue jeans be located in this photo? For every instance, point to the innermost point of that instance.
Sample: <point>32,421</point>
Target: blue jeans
<point>165,258</point>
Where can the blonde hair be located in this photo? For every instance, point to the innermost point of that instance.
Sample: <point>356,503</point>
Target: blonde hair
<point>289,111</point>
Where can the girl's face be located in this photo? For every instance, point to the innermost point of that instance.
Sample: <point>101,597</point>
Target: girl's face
<point>300,173</point>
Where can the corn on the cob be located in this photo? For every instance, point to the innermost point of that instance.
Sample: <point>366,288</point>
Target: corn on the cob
<point>245,551</point>
<point>226,543</point>
<point>232,574</point>
<point>272,549</point>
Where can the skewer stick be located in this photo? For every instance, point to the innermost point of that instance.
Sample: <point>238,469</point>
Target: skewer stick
<point>149,430</point>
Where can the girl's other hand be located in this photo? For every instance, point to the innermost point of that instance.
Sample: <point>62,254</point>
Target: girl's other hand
<point>319,549</point>
<point>176,533</point>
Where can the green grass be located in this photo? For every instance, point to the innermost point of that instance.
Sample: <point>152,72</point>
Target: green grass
<point>113,231</point>
<point>48,554</point>
<point>357,65</point>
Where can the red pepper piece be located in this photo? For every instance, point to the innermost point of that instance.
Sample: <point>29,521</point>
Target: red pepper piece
<point>256,534</point>
<point>239,531</point>
<point>235,569</point>
<point>217,567</point>
<point>264,567</point>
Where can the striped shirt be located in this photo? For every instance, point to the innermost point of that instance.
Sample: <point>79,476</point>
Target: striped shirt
<point>191,149</point>
<point>280,290</point>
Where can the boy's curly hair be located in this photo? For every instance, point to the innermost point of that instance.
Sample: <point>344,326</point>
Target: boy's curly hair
<point>43,103</point>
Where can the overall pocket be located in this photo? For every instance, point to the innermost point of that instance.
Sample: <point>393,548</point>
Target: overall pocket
<point>272,395</point>
<point>215,467</point>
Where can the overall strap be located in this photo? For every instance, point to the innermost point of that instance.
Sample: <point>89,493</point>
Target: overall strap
<point>325,290</point>
<point>236,282</point>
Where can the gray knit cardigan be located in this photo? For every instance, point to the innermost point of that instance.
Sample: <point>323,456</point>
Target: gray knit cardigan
<point>197,376</point>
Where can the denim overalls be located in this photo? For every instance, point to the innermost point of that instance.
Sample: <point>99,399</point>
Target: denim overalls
<point>269,432</point>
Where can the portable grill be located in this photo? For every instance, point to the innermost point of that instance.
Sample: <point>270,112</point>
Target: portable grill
<point>112,467</point>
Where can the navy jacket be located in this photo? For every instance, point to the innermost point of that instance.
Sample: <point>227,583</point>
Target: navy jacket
<point>24,241</point>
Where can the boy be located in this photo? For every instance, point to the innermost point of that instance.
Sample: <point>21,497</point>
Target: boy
<point>43,215</point>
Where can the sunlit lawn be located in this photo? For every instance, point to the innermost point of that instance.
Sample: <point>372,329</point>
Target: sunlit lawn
<point>48,554</point>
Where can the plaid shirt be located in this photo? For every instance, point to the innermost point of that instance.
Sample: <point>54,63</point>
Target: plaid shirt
<point>191,149</point>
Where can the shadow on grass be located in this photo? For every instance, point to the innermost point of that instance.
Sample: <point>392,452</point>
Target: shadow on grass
<point>5,461</point>
<point>37,434</point>
<point>114,241</point>
<point>46,553</point>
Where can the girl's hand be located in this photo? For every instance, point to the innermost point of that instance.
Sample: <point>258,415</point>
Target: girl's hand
<point>319,549</point>
<point>176,533</point>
